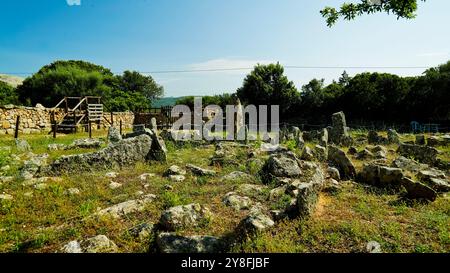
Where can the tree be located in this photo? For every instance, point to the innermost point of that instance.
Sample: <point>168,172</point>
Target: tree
<point>220,100</point>
<point>132,81</point>
<point>66,78</point>
<point>8,94</point>
<point>348,11</point>
<point>130,91</point>
<point>267,85</point>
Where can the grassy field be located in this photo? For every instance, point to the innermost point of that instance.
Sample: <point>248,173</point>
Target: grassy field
<point>44,220</point>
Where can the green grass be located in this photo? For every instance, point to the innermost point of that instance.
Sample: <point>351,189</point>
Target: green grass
<point>343,222</point>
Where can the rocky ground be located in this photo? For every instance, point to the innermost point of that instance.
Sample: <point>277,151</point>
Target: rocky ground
<point>324,191</point>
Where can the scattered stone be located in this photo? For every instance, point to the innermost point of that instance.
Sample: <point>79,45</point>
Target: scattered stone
<point>334,173</point>
<point>168,187</point>
<point>72,191</point>
<point>145,176</point>
<point>342,162</point>
<point>323,137</point>
<point>6,179</point>
<point>256,221</point>
<point>143,231</point>
<point>111,175</point>
<point>307,154</point>
<point>22,146</point>
<point>374,138</point>
<point>174,170</point>
<point>6,196</point>
<point>85,143</point>
<point>408,164</point>
<point>373,247</point>
<point>177,178</point>
<point>41,186</point>
<point>237,202</point>
<point>320,153</point>
<point>72,247</point>
<point>127,207</point>
<point>172,243</point>
<point>251,189</point>
<point>28,194</point>
<point>364,154</point>
<point>237,176</point>
<point>123,153</point>
<point>280,165</point>
<point>98,244</point>
<point>417,190</point>
<point>114,135</point>
<point>187,216</point>
<point>200,171</point>
<point>423,154</point>
<point>393,136</point>
<point>56,147</point>
<point>420,140</point>
<point>381,176</point>
<point>114,185</point>
<point>435,179</point>
<point>32,166</point>
<point>338,133</point>
<point>277,193</point>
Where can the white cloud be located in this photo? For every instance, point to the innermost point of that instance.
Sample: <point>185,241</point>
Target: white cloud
<point>227,63</point>
<point>73,2</point>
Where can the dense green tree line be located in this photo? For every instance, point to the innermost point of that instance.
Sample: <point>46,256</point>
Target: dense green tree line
<point>366,96</point>
<point>130,91</point>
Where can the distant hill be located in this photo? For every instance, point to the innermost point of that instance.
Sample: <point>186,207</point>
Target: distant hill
<point>169,101</point>
<point>11,80</point>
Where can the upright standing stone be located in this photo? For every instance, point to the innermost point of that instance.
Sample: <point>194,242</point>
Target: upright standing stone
<point>240,122</point>
<point>339,131</point>
<point>114,135</point>
<point>393,136</point>
<point>323,140</point>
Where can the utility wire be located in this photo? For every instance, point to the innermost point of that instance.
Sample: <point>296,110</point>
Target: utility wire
<point>250,68</point>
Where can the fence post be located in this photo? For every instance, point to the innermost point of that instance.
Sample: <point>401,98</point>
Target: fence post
<point>90,129</point>
<point>112,119</point>
<point>16,132</point>
<point>120,130</point>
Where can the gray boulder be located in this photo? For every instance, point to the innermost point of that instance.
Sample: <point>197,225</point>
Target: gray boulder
<point>22,146</point>
<point>423,154</point>
<point>200,171</point>
<point>393,136</point>
<point>237,202</point>
<point>280,165</point>
<point>114,134</point>
<point>381,176</point>
<point>256,221</point>
<point>187,216</point>
<point>342,162</point>
<point>123,153</point>
<point>127,207</point>
<point>417,190</point>
<point>97,244</point>
<point>173,243</point>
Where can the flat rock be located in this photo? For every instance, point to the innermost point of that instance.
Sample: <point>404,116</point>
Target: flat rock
<point>200,171</point>
<point>127,207</point>
<point>186,216</point>
<point>172,243</point>
<point>237,202</point>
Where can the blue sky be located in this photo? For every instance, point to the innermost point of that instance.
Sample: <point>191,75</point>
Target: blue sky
<point>155,35</point>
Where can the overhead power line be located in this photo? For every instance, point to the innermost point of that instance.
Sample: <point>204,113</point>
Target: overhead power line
<point>250,68</point>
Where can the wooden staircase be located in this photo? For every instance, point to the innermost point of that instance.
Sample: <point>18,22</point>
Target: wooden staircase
<point>78,112</point>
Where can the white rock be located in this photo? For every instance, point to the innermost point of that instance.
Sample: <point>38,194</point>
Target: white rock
<point>6,196</point>
<point>114,185</point>
<point>111,175</point>
<point>145,176</point>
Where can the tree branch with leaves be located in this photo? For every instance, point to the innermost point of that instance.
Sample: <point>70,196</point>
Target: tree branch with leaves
<point>349,11</point>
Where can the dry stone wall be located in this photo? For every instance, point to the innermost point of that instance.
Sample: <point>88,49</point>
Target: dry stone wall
<point>37,119</point>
